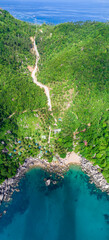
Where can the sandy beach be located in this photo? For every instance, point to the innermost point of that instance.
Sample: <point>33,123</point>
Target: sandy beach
<point>59,165</point>
<point>72,158</point>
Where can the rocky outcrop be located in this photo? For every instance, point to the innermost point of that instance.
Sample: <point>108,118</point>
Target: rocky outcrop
<point>10,185</point>
<point>1,197</point>
<point>95,175</point>
<point>47,183</point>
<point>59,167</point>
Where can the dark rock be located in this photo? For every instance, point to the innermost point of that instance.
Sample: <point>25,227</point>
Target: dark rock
<point>95,175</point>
<point>54,182</point>
<point>1,197</point>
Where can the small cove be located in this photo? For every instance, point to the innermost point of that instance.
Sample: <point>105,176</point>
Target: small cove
<point>72,209</point>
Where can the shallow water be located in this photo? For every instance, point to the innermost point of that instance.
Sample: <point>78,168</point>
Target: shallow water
<point>57,11</point>
<point>73,209</point>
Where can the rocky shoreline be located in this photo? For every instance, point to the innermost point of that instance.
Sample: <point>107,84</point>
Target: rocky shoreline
<point>59,167</point>
<point>10,185</point>
<point>95,175</point>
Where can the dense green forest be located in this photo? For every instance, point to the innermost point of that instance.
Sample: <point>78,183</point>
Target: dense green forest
<point>19,96</point>
<point>74,65</point>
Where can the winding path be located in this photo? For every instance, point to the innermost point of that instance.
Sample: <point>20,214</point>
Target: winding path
<point>35,70</point>
<point>46,89</point>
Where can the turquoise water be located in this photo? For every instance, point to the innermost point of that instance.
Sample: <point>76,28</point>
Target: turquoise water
<point>71,210</point>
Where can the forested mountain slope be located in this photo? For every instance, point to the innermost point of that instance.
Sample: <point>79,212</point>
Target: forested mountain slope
<point>18,93</point>
<point>75,65</point>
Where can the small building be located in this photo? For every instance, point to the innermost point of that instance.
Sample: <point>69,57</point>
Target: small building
<point>9,132</point>
<point>54,159</point>
<point>41,30</point>
<point>55,124</point>
<point>43,137</point>
<point>85,142</point>
<point>5,150</point>
<point>60,119</point>
<point>40,154</point>
<point>10,154</point>
<point>57,130</point>
<point>36,115</point>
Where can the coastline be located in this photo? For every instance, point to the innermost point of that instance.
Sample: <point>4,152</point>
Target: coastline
<point>60,166</point>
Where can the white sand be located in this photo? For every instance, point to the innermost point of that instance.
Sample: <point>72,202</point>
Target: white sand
<point>72,158</point>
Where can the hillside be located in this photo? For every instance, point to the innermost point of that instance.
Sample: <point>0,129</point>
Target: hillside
<point>74,65</point>
<point>19,97</point>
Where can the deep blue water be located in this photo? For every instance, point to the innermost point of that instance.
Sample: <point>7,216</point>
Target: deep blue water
<point>71,210</point>
<point>58,11</point>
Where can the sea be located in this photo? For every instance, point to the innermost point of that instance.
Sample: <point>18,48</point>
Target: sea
<point>57,11</point>
<point>73,208</point>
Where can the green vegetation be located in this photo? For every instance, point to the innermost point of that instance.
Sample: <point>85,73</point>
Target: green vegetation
<point>75,64</point>
<point>19,96</point>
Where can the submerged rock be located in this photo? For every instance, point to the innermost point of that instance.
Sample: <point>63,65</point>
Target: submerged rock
<point>54,182</point>
<point>47,183</point>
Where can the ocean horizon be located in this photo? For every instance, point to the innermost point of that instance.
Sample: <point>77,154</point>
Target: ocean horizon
<point>56,12</point>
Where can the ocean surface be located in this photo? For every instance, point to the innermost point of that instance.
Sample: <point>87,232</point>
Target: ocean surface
<point>73,209</point>
<point>58,11</point>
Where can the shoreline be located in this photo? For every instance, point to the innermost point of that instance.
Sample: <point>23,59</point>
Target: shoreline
<point>60,166</point>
